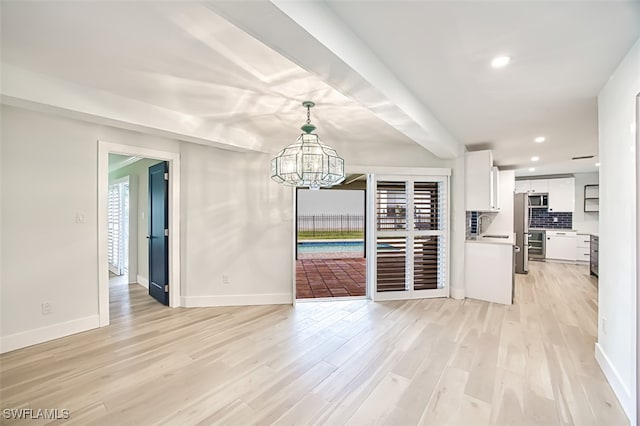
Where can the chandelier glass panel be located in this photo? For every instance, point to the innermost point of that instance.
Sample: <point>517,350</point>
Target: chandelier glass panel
<point>308,162</point>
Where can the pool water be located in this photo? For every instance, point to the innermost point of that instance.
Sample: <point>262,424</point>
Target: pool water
<point>331,247</point>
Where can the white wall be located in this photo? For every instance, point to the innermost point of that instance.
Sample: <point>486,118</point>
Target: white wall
<point>585,222</point>
<point>235,222</point>
<point>330,202</point>
<point>49,173</point>
<point>616,349</point>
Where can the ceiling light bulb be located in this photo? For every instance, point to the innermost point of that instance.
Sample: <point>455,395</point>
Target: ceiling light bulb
<point>597,164</point>
<point>539,139</point>
<point>532,169</point>
<point>500,61</point>
<point>535,158</point>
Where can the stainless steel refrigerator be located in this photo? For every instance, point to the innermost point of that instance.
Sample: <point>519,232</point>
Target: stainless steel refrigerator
<point>521,227</point>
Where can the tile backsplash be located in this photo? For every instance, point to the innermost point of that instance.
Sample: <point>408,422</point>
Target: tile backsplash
<point>542,218</point>
<point>472,224</point>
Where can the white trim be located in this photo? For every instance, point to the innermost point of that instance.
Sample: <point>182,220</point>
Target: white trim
<point>616,382</point>
<point>104,148</point>
<point>457,293</point>
<point>294,266</point>
<point>403,171</point>
<point>142,281</point>
<point>49,332</point>
<point>237,300</point>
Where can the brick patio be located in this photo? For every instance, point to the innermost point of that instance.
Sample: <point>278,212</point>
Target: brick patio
<point>330,278</point>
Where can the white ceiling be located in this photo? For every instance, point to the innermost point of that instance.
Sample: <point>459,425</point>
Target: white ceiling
<point>118,161</point>
<point>182,57</point>
<point>562,53</point>
<point>185,57</point>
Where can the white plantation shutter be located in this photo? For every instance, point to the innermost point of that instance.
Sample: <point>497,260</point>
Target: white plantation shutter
<point>430,238</point>
<point>117,227</point>
<point>411,235</point>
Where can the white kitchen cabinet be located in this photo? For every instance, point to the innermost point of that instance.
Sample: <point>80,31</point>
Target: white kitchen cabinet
<point>583,247</point>
<point>561,245</point>
<point>540,186</point>
<point>495,188</point>
<point>480,182</point>
<point>523,186</point>
<point>488,271</point>
<point>562,195</point>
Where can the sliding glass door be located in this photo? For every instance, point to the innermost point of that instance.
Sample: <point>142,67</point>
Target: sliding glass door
<point>409,249</point>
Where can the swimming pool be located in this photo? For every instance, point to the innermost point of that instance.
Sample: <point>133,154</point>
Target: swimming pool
<point>354,246</point>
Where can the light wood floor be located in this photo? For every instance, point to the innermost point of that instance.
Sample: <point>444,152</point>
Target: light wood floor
<point>435,362</point>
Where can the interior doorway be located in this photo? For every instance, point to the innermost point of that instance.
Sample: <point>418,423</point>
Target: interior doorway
<point>125,232</point>
<point>130,222</point>
<point>118,245</point>
<point>330,241</point>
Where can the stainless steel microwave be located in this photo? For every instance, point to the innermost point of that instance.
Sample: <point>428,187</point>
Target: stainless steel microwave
<point>539,200</point>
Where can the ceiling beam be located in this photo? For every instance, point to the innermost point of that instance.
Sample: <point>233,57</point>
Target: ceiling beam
<point>312,35</point>
<point>43,93</point>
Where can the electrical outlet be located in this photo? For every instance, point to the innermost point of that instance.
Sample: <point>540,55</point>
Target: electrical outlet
<point>555,220</point>
<point>225,279</point>
<point>604,325</point>
<point>47,308</point>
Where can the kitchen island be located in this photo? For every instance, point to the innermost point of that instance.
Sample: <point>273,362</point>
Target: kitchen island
<point>489,269</point>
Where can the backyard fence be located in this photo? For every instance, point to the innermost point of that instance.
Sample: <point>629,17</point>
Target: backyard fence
<point>333,223</point>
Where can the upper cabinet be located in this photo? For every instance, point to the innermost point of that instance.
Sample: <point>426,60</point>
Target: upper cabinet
<point>540,186</point>
<point>562,195</point>
<point>523,186</point>
<point>561,192</point>
<point>481,182</point>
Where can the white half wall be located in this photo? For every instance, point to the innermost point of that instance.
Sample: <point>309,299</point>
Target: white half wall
<point>617,245</point>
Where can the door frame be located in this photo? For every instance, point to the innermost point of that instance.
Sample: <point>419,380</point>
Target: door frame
<point>173,158</point>
<point>294,287</point>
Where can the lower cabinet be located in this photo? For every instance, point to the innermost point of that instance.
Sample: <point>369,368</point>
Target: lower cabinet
<point>561,245</point>
<point>583,248</point>
<point>593,260</point>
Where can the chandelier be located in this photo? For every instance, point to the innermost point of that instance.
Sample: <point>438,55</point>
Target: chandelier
<point>308,162</point>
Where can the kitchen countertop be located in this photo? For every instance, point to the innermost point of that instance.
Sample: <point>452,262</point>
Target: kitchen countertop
<point>485,240</point>
<point>554,229</point>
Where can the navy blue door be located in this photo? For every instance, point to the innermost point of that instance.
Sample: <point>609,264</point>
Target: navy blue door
<point>158,232</point>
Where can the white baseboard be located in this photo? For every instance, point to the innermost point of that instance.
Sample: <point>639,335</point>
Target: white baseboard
<point>142,281</point>
<point>457,293</point>
<point>621,391</point>
<point>237,300</point>
<point>50,332</point>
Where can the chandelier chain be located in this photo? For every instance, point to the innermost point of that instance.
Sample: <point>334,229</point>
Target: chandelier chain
<point>308,114</point>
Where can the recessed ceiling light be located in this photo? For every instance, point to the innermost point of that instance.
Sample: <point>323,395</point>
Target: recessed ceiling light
<point>539,139</point>
<point>597,164</point>
<point>500,61</point>
<point>535,158</point>
<point>532,169</point>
